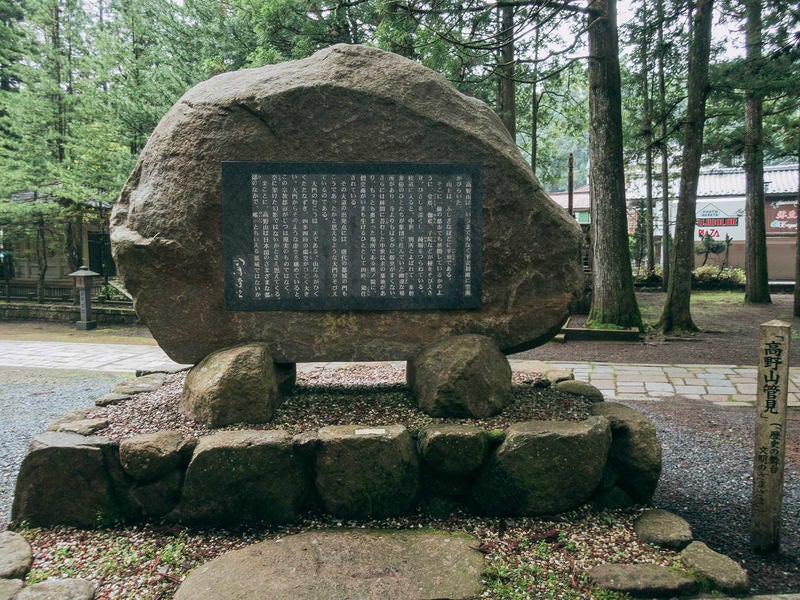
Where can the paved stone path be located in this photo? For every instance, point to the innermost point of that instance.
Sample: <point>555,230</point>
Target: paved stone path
<point>117,358</point>
<point>727,385</point>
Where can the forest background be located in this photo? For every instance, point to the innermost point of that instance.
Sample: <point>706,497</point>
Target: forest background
<point>84,82</point>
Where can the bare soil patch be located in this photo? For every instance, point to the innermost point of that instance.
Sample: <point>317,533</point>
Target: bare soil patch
<point>728,334</point>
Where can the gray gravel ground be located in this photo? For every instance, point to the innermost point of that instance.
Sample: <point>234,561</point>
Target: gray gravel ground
<point>707,479</point>
<point>29,400</point>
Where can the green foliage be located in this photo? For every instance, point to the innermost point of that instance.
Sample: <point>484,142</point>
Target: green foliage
<point>713,277</point>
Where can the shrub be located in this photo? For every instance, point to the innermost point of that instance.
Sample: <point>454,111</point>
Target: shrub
<point>711,277</point>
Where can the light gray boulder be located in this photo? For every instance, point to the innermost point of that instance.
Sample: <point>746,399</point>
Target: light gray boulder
<point>460,376</point>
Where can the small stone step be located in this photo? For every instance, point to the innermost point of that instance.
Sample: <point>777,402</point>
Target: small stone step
<point>642,580</point>
<point>663,528</point>
<point>724,573</point>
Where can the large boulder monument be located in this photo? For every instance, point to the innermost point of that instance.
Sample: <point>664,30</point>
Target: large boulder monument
<point>346,112</point>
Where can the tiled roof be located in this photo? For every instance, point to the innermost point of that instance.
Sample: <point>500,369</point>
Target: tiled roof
<point>718,182</point>
<point>580,198</point>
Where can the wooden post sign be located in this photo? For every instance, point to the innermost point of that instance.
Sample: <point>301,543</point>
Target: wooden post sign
<point>770,435</point>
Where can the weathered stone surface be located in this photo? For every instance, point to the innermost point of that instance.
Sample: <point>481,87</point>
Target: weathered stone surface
<point>326,565</point>
<point>166,225</point>
<point>244,476</point>
<point>15,555</point>
<point>58,589</point>
<point>642,580</point>
<point>148,456</point>
<point>724,573</point>
<point>157,498</point>
<point>364,471</point>
<point>580,388</point>
<point>111,398</point>
<point>547,374</point>
<point>9,587</point>
<point>83,426</point>
<point>635,450</point>
<point>69,417</point>
<point>460,376</point>
<point>452,449</point>
<point>544,467</point>
<point>613,497</point>
<point>663,528</point>
<point>237,385</point>
<point>64,479</point>
<point>139,385</point>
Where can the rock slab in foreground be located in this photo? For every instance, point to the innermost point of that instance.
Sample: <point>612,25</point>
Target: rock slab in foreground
<point>15,555</point>
<point>663,528</point>
<point>335,565</point>
<point>58,589</point>
<point>9,587</point>
<point>642,580</point>
<point>724,573</point>
<point>166,226</point>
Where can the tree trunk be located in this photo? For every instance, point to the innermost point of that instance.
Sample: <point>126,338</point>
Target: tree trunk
<point>535,101</point>
<point>662,102</point>
<point>613,298</point>
<point>756,289</point>
<point>508,112</point>
<point>676,314</point>
<point>647,134</point>
<point>797,241</point>
<point>41,257</point>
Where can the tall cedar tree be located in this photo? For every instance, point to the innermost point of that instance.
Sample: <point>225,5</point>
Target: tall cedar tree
<point>676,314</point>
<point>756,289</point>
<point>613,298</point>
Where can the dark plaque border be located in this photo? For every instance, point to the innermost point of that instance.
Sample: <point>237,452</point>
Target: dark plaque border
<point>238,238</point>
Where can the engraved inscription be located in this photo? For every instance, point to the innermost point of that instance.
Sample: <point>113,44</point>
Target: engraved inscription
<point>351,236</point>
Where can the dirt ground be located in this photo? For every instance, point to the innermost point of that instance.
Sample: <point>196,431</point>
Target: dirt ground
<point>728,335</point>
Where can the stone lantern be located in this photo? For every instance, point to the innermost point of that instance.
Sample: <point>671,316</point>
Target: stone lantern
<point>83,281</point>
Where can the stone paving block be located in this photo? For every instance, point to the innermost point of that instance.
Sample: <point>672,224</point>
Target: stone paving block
<point>750,398</point>
<point>716,397</point>
<point>722,389</point>
<point>653,386</point>
<point>689,389</point>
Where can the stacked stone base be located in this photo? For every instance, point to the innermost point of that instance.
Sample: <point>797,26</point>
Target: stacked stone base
<point>349,471</point>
